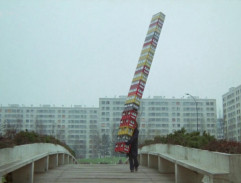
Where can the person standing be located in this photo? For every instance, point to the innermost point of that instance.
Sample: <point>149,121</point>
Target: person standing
<point>133,142</point>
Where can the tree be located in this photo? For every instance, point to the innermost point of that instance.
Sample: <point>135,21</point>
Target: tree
<point>96,147</point>
<point>105,150</point>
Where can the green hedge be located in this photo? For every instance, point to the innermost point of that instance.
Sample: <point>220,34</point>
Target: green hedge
<point>25,137</point>
<point>181,137</point>
<point>195,140</point>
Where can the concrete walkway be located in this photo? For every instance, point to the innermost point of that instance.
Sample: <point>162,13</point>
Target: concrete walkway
<point>102,174</point>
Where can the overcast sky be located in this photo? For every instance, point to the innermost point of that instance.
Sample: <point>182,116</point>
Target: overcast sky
<point>67,52</point>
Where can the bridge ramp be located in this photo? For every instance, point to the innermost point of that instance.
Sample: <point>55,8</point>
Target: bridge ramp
<point>102,173</point>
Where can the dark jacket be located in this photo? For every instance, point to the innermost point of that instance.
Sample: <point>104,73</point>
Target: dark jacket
<point>134,143</point>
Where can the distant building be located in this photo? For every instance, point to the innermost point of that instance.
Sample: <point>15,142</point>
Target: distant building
<point>220,129</point>
<point>231,114</point>
<point>160,116</point>
<point>92,132</point>
<point>110,112</point>
<point>76,126</point>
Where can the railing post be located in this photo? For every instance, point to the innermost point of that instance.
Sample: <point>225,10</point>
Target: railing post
<point>53,161</point>
<point>47,163</point>
<point>66,159</point>
<point>176,173</point>
<point>71,160</point>
<point>24,174</point>
<point>57,159</point>
<point>61,159</point>
<point>153,161</point>
<point>41,165</point>
<point>184,175</point>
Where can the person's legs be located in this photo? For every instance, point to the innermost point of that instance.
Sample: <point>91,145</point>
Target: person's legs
<point>136,163</point>
<point>131,162</point>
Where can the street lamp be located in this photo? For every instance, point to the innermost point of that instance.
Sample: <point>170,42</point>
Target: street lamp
<point>196,107</point>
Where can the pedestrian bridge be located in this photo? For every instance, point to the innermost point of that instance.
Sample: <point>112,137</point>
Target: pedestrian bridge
<point>41,163</point>
<point>102,173</point>
<point>21,163</point>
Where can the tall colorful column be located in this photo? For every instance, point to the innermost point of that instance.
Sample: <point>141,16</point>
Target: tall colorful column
<point>129,116</point>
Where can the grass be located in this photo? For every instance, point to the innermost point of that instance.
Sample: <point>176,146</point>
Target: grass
<point>107,160</point>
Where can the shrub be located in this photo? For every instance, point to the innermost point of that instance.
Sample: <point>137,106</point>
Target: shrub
<point>5,142</point>
<point>195,140</point>
<point>10,134</point>
<point>25,137</point>
<point>224,146</point>
<point>181,137</point>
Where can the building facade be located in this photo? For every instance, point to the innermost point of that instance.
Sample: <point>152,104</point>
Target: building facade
<point>231,114</point>
<point>76,126</point>
<point>220,129</point>
<point>92,132</point>
<point>159,116</point>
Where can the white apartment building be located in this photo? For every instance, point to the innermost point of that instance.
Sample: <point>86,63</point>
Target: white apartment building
<point>220,129</point>
<point>231,114</point>
<point>76,126</point>
<point>160,116</point>
<point>110,112</point>
<point>92,132</point>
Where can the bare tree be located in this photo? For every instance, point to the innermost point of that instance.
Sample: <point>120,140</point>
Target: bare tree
<point>40,128</point>
<point>96,141</point>
<point>105,150</point>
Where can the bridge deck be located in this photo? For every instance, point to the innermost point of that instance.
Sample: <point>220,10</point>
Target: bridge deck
<point>102,174</point>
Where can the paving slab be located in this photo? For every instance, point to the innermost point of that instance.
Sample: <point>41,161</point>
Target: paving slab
<point>102,173</point>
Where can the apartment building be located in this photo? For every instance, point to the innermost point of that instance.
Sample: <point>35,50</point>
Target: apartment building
<point>231,114</point>
<point>92,132</point>
<point>110,112</point>
<point>76,126</point>
<point>160,116</point>
<point>220,129</point>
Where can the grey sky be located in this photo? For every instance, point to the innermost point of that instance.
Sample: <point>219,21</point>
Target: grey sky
<point>73,52</point>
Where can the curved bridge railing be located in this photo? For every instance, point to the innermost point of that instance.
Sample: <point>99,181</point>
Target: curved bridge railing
<point>21,162</point>
<point>191,165</point>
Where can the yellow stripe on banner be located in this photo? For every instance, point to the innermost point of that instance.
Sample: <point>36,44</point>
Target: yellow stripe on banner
<point>134,101</point>
<point>141,64</point>
<point>148,59</point>
<point>160,16</point>
<point>143,57</point>
<point>151,30</point>
<point>145,50</point>
<point>140,78</point>
<point>137,101</point>
<point>130,101</point>
<point>152,51</point>
<point>148,64</point>
<point>126,131</point>
<point>158,30</point>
